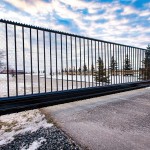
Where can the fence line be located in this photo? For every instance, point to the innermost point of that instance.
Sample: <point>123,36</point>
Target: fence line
<point>38,60</point>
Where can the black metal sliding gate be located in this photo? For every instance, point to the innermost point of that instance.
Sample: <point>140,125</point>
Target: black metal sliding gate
<point>39,66</point>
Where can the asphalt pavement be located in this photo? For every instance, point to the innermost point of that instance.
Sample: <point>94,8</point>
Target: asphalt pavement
<point>114,122</point>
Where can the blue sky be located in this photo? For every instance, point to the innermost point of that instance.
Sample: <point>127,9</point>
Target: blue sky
<point>121,21</point>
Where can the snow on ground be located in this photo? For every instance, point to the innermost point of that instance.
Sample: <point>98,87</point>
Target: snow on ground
<point>35,145</point>
<point>148,87</point>
<point>27,88</point>
<point>90,78</point>
<point>19,123</point>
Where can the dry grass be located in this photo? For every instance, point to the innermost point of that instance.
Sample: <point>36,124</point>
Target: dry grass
<point>7,127</point>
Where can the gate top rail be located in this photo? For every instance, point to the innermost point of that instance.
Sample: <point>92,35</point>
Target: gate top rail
<point>64,33</point>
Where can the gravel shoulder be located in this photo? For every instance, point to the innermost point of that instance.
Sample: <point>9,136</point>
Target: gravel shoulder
<point>29,130</point>
<point>42,139</point>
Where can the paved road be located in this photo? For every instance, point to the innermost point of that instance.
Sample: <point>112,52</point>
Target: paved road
<point>113,122</point>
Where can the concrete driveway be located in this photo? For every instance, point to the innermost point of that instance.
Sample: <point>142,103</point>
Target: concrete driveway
<point>114,122</point>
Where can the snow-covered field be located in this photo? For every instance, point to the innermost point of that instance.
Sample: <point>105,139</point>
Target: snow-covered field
<point>90,78</point>
<point>79,80</point>
<point>19,123</point>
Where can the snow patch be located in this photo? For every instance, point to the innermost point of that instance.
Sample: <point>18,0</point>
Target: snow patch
<point>19,123</point>
<point>35,145</point>
<point>148,87</point>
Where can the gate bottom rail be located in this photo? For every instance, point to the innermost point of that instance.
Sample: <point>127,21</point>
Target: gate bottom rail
<point>27,102</point>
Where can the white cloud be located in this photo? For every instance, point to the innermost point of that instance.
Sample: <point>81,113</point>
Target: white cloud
<point>147,5</point>
<point>76,4</point>
<point>145,13</point>
<point>31,7</point>
<point>1,7</point>
<point>47,14</point>
<point>127,10</point>
<point>63,12</point>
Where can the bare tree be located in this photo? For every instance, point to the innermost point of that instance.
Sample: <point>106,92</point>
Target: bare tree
<point>1,58</point>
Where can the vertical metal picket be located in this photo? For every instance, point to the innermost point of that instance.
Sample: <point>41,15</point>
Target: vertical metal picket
<point>69,52</point>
